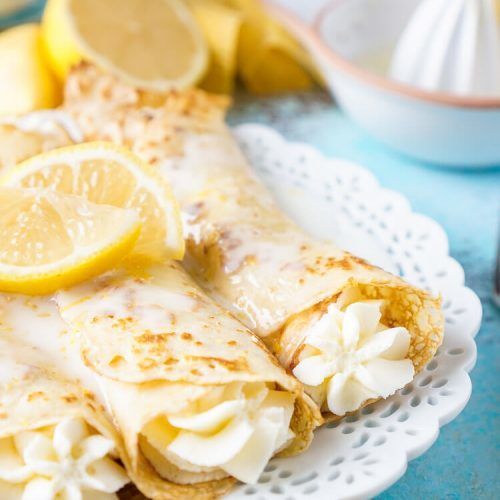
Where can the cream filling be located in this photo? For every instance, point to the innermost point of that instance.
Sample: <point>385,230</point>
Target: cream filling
<point>235,430</point>
<point>349,357</point>
<point>64,461</point>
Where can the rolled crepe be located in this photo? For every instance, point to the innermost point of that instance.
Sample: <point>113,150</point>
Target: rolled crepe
<point>197,397</point>
<point>351,332</point>
<point>24,136</point>
<point>55,438</point>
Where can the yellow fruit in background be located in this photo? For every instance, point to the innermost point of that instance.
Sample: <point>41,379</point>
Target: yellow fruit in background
<point>26,80</point>
<point>246,42</point>
<point>154,44</point>
<point>60,47</point>
<point>221,27</point>
<point>270,60</point>
<point>162,44</point>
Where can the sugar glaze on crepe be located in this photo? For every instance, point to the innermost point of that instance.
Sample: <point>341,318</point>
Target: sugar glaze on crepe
<point>24,136</point>
<point>280,283</point>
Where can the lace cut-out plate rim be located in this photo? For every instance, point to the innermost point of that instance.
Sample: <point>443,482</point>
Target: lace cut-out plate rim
<point>367,452</point>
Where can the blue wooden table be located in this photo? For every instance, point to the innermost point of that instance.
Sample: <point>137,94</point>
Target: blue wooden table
<point>464,463</point>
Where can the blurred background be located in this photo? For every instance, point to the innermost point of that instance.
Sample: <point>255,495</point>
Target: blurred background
<point>19,11</point>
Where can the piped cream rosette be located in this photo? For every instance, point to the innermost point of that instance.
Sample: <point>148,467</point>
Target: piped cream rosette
<point>348,357</point>
<point>234,429</point>
<point>55,439</point>
<point>197,397</point>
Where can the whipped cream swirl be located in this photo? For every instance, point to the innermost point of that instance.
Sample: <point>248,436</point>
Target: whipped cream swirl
<point>65,461</point>
<point>235,430</point>
<point>350,357</point>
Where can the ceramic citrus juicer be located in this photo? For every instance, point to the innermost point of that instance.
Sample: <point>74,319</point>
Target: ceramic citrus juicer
<point>451,46</point>
<point>435,95</point>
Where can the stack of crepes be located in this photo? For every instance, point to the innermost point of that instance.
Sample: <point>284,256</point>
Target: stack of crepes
<point>350,332</point>
<point>154,373</point>
<point>135,375</point>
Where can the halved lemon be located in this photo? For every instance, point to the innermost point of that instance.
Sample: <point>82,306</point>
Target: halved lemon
<point>107,174</point>
<point>50,240</point>
<point>152,44</point>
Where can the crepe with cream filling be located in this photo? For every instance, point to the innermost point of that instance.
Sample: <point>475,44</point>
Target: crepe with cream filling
<point>56,440</point>
<point>253,259</point>
<point>195,395</point>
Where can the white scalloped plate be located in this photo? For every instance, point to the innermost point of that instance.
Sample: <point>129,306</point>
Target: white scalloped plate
<point>333,199</point>
<point>367,452</point>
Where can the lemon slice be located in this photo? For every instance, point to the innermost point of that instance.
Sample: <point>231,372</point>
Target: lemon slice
<point>50,240</point>
<point>153,44</point>
<point>107,174</point>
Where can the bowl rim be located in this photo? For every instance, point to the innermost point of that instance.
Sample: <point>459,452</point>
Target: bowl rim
<point>313,35</point>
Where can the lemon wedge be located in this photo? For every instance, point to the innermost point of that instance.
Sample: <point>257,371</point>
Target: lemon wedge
<point>26,80</point>
<point>50,240</point>
<point>270,60</point>
<point>221,26</point>
<point>153,44</point>
<point>245,41</point>
<point>107,174</point>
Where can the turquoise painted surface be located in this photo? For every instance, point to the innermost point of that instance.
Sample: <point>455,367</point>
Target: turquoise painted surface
<point>464,463</point>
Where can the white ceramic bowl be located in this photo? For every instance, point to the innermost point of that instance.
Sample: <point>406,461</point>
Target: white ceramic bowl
<point>348,38</point>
